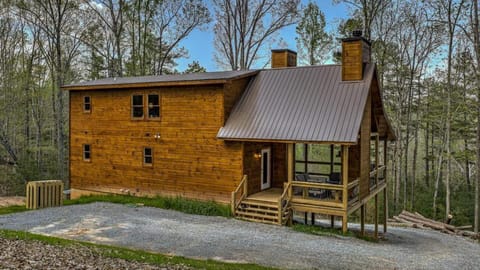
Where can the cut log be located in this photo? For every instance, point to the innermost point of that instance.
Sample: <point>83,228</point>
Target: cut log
<point>420,219</point>
<point>417,220</point>
<point>430,224</point>
<point>407,222</point>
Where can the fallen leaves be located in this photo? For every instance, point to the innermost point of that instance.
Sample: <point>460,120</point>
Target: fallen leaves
<point>32,254</point>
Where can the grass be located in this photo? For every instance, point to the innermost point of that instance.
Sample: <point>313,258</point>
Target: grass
<point>318,230</point>
<point>130,254</point>
<point>12,209</point>
<point>206,208</point>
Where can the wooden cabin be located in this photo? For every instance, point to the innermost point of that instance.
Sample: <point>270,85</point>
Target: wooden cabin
<point>269,142</point>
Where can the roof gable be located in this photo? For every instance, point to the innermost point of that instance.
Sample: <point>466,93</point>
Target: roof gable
<point>305,104</point>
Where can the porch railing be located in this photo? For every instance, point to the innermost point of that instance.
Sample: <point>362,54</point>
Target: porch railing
<point>324,194</point>
<point>239,194</point>
<point>376,176</point>
<point>317,194</point>
<point>284,204</point>
<point>353,191</point>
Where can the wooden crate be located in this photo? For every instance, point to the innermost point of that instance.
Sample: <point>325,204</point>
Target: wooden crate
<point>41,194</point>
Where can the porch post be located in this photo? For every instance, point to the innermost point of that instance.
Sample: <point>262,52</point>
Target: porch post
<point>345,187</point>
<point>290,158</point>
<point>376,216</point>
<point>290,164</point>
<point>362,219</point>
<point>290,175</point>
<point>376,161</point>
<point>385,210</point>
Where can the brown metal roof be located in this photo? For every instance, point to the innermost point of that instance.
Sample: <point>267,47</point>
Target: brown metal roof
<point>303,104</point>
<point>149,81</point>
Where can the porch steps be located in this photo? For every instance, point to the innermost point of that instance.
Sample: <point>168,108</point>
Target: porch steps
<point>262,211</point>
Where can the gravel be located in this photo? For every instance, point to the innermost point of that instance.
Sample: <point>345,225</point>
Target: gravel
<point>175,233</point>
<point>21,254</point>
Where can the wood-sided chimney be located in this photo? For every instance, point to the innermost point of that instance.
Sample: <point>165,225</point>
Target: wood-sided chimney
<point>284,58</point>
<point>356,53</point>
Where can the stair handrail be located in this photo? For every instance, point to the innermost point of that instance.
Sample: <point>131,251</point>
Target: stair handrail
<point>241,187</point>
<point>285,197</point>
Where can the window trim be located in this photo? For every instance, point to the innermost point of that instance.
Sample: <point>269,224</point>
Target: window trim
<point>89,104</point>
<point>89,159</point>
<point>147,107</point>
<point>144,156</point>
<point>132,106</point>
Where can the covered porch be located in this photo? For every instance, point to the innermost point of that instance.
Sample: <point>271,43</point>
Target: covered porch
<point>309,178</point>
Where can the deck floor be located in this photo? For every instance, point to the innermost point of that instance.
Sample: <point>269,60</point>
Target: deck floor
<point>270,195</point>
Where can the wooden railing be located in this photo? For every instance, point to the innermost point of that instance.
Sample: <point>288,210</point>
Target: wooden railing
<point>317,194</point>
<point>284,203</point>
<point>353,193</point>
<point>377,174</point>
<point>239,194</point>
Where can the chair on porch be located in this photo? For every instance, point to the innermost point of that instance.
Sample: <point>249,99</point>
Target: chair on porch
<point>316,192</point>
<point>335,179</point>
<point>301,178</point>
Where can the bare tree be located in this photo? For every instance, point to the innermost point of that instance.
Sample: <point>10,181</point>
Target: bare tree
<point>112,14</point>
<point>370,9</point>
<point>173,21</point>
<point>243,27</point>
<point>313,43</point>
<point>452,11</point>
<point>61,27</point>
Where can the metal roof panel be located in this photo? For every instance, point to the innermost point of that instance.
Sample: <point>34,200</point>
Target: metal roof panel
<point>309,104</point>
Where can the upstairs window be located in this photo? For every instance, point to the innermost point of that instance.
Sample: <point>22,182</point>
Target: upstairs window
<point>153,106</point>
<point>147,156</point>
<point>87,105</point>
<point>86,152</point>
<point>137,106</point>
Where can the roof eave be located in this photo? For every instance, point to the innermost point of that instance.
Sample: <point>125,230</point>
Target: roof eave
<point>141,85</point>
<point>80,87</point>
<point>285,141</point>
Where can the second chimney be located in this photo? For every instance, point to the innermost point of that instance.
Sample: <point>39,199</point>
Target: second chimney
<point>284,58</point>
<point>355,55</point>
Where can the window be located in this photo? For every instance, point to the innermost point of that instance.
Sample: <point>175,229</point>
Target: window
<point>87,105</point>
<point>147,156</point>
<point>137,106</point>
<point>86,152</point>
<point>153,106</point>
<point>152,110</point>
<point>317,159</point>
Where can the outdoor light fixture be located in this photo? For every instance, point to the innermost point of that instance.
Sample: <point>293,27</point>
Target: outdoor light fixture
<point>257,155</point>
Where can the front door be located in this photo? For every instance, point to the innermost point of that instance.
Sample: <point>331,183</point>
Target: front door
<point>266,177</point>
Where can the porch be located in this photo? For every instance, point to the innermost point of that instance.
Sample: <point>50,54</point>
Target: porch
<point>342,188</point>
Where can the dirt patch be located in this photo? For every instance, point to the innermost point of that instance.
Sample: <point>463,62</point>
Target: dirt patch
<point>9,201</point>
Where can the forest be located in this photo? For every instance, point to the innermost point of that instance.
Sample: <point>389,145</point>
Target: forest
<point>427,54</point>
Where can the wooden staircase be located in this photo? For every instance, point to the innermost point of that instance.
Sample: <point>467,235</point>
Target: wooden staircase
<point>262,211</point>
<point>271,206</point>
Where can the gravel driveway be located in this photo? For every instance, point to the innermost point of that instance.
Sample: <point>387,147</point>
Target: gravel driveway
<point>171,232</point>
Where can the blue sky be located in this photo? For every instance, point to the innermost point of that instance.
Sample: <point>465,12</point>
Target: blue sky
<point>200,43</point>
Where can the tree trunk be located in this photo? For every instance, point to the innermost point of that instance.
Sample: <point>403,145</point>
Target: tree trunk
<point>476,39</point>
<point>437,181</point>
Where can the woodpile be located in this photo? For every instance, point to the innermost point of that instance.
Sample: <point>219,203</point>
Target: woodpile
<point>416,220</point>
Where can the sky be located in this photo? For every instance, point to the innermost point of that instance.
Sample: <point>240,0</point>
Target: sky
<point>200,43</point>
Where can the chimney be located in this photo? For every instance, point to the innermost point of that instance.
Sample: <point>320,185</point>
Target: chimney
<point>355,55</point>
<point>284,58</point>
